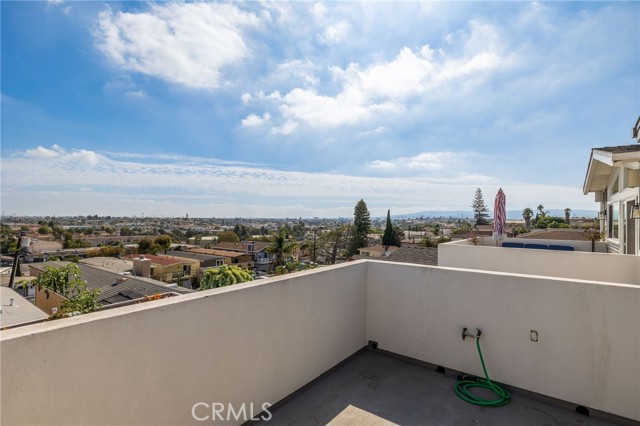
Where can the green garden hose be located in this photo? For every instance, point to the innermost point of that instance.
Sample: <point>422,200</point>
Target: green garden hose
<point>463,387</point>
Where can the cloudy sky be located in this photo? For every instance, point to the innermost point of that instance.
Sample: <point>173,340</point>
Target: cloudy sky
<point>277,109</point>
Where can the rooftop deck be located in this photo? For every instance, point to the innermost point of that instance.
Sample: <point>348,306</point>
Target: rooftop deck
<point>374,388</point>
<point>164,362</point>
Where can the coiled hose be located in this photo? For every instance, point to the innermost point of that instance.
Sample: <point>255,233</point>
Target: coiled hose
<point>463,387</point>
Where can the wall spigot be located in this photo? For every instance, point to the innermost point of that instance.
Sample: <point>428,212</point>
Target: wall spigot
<point>466,334</point>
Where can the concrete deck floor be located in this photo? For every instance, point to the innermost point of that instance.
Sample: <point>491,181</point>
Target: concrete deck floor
<point>374,388</point>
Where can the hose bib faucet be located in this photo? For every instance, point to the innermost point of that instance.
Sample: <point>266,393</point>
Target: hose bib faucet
<point>465,334</point>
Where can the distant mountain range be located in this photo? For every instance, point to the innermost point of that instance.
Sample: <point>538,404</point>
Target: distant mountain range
<point>511,214</point>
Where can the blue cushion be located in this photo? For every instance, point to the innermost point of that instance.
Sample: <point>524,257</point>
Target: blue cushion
<point>536,246</point>
<point>514,245</point>
<point>563,248</point>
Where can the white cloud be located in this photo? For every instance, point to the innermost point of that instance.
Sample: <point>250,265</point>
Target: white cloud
<point>425,161</point>
<point>253,120</point>
<point>286,129</point>
<point>128,187</point>
<point>135,94</point>
<point>299,70</point>
<point>319,11</point>
<point>183,43</point>
<point>335,33</point>
<point>78,156</point>
<point>42,152</point>
<point>385,88</point>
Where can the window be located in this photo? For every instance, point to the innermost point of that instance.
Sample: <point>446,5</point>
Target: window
<point>219,262</point>
<point>614,220</point>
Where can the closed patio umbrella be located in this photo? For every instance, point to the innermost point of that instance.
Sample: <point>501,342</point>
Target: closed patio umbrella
<point>499,216</point>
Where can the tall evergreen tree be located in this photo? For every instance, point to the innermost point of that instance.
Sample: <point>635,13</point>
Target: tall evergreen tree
<point>387,237</point>
<point>392,235</point>
<point>361,227</point>
<point>480,210</point>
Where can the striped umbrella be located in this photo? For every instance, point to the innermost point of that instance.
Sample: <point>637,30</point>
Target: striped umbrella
<point>499,216</point>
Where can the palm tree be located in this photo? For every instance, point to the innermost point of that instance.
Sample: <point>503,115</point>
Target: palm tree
<point>223,276</point>
<point>567,216</point>
<point>527,214</point>
<point>282,247</point>
<point>541,210</point>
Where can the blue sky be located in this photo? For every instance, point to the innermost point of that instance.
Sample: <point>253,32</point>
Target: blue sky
<point>301,109</point>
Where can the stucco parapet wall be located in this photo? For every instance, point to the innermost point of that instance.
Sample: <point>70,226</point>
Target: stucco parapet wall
<point>156,304</point>
<point>580,265</point>
<point>559,280</point>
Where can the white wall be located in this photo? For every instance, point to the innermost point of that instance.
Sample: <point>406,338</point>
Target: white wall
<point>571,264</point>
<point>149,364</point>
<point>588,348</point>
<point>600,246</point>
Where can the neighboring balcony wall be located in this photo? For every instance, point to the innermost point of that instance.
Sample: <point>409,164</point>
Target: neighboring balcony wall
<point>587,351</point>
<point>566,264</point>
<point>149,364</point>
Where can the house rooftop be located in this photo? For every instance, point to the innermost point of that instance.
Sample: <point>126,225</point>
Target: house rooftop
<point>242,246</point>
<point>114,288</point>
<point>619,149</point>
<point>602,161</point>
<point>223,253</point>
<point>192,255</point>
<point>378,247</point>
<point>21,311</point>
<point>417,255</point>
<point>159,260</point>
<point>110,264</point>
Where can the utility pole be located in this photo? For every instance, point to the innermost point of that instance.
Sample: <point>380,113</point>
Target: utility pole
<point>314,245</point>
<point>16,258</point>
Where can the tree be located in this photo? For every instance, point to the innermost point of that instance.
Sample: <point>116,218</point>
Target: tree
<point>8,240</point>
<point>567,216</point>
<point>228,237</point>
<point>57,231</point>
<point>330,244</point>
<point>44,230</point>
<point>66,281</point>
<point>361,227</point>
<point>527,213</point>
<point>282,247</point>
<point>480,210</point>
<point>392,235</point>
<point>223,276</point>
<point>144,245</point>
<point>164,241</point>
<point>387,237</point>
<point>541,211</point>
